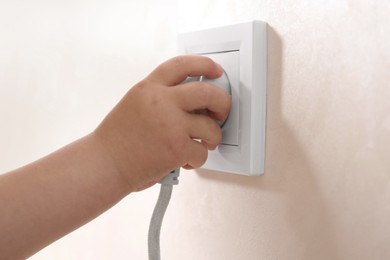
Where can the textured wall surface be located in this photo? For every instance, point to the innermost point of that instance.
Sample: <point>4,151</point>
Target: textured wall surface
<point>326,190</point>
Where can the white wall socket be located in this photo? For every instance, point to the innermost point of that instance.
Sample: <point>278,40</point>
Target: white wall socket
<point>241,49</point>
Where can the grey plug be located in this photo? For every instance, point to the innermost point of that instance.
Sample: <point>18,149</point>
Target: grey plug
<point>223,82</point>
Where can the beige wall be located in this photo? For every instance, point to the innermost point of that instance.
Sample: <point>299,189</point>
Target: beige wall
<point>326,190</point>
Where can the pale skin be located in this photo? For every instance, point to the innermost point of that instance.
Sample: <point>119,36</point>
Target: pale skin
<point>151,131</point>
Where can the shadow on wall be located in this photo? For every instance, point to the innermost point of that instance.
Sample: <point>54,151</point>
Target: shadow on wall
<point>288,173</point>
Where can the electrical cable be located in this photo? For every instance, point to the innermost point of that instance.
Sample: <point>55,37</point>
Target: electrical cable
<point>172,179</point>
<point>158,213</point>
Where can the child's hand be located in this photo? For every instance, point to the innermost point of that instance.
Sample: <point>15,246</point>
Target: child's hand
<point>153,129</point>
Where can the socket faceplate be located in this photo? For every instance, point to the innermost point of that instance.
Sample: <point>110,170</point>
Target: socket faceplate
<point>241,50</point>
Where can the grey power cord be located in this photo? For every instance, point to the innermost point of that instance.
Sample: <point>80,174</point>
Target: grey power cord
<point>158,214</point>
<point>172,179</point>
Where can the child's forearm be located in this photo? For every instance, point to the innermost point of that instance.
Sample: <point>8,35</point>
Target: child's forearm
<point>51,197</point>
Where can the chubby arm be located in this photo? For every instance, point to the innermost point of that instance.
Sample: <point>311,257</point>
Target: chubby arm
<point>151,131</point>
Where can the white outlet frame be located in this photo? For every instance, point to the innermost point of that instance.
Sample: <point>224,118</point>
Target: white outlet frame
<point>250,40</point>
